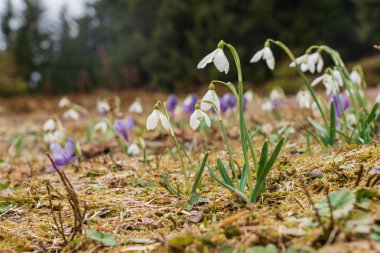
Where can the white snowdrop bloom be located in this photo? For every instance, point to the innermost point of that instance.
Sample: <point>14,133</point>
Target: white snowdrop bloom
<point>197,117</point>
<point>136,107</point>
<point>103,107</point>
<point>218,57</point>
<point>210,97</point>
<point>267,106</point>
<point>337,77</point>
<point>133,150</point>
<point>331,82</point>
<point>71,114</point>
<point>265,54</point>
<point>351,119</point>
<point>377,99</point>
<point>249,96</point>
<point>49,125</point>
<point>155,117</point>
<point>355,77</point>
<point>303,98</point>
<point>309,62</point>
<point>54,137</point>
<point>276,94</point>
<point>64,102</point>
<point>101,126</point>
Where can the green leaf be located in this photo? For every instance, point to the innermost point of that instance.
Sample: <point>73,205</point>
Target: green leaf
<point>342,203</point>
<point>170,187</point>
<point>223,172</point>
<point>332,123</point>
<point>195,199</point>
<point>270,248</point>
<point>263,162</point>
<point>243,179</point>
<point>372,114</point>
<point>105,239</point>
<point>199,174</point>
<point>5,207</point>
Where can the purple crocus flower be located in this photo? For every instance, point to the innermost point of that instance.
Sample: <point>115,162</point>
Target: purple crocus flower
<point>343,100</point>
<point>123,126</point>
<point>171,103</point>
<point>63,156</point>
<point>231,100</point>
<point>189,103</point>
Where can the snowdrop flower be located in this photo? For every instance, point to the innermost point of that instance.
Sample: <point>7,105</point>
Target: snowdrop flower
<point>103,107</point>
<point>276,94</point>
<point>63,156</point>
<point>189,103</point>
<point>55,136</point>
<point>171,103</point>
<point>351,119</point>
<point>218,57</point>
<point>344,102</point>
<point>124,126</point>
<point>64,102</point>
<point>210,98</point>
<point>355,77</point>
<point>49,125</point>
<point>71,114</point>
<point>377,99</point>
<point>332,81</point>
<point>249,96</point>
<point>196,118</point>
<point>303,98</point>
<point>133,150</point>
<point>101,126</point>
<point>265,54</point>
<point>309,62</point>
<point>136,107</point>
<point>267,106</point>
<point>155,117</point>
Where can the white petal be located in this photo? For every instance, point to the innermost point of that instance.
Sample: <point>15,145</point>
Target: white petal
<point>101,126</point>
<point>257,56</point>
<point>164,121</point>
<point>194,121</point>
<point>377,99</point>
<point>320,64</point>
<point>304,67</point>
<point>318,80</point>
<point>136,107</point>
<point>207,59</point>
<point>205,117</point>
<point>133,150</point>
<point>267,53</point>
<point>338,77</point>
<point>270,63</point>
<point>249,96</point>
<point>210,97</point>
<point>355,77</point>
<point>220,61</point>
<point>152,121</point>
<point>49,125</point>
<point>298,60</point>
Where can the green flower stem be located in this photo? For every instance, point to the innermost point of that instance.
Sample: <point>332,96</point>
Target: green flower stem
<point>306,82</point>
<point>179,150</point>
<point>241,115</point>
<point>228,149</point>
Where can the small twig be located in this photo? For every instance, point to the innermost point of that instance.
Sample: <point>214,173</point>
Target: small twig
<point>360,175</point>
<point>368,183</point>
<point>298,202</point>
<point>375,181</point>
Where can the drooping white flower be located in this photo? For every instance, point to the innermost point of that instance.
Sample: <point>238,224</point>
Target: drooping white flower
<point>196,118</point>
<point>218,57</point>
<point>265,54</point>
<point>64,102</point>
<point>101,126</point>
<point>71,114</point>
<point>355,77</point>
<point>56,136</point>
<point>103,107</point>
<point>267,106</point>
<point>309,62</point>
<point>136,107</point>
<point>210,97</point>
<point>49,125</point>
<point>276,94</point>
<point>133,150</point>
<point>303,98</point>
<point>351,119</point>
<point>332,81</point>
<point>249,96</point>
<point>155,117</point>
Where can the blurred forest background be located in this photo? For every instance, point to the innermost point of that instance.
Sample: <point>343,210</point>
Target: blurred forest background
<point>157,44</point>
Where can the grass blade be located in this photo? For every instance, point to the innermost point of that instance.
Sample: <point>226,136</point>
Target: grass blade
<point>170,187</point>
<point>243,179</point>
<point>199,174</point>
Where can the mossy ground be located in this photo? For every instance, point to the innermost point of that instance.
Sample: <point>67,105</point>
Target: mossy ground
<point>126,198</point>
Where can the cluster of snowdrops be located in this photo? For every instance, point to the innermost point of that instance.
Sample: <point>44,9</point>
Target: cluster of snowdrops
<point>342,115</point>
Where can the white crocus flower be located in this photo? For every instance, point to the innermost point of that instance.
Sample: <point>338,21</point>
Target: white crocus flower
<point>136,107</point>
<point>101,126</point>
<point>71,114</point>
<point>133,150</point>
<point>155,117</point>
<point>49,125</point>
<point>209,99</point>
<point>267,106</point>
<point>197,117</point>
<point>304,99</point>
<point>356,78</point>
<point>265,54</point>
<point>218,57</point>
<point>64,102</point>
